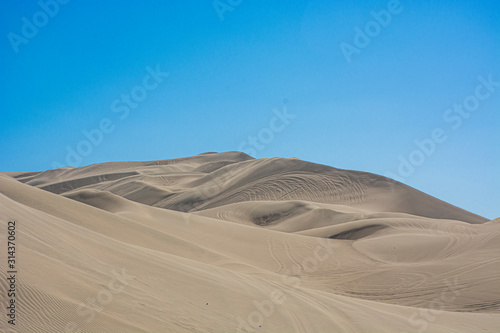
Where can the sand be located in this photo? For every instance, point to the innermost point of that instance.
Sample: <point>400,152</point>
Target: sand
<point>222,242</point>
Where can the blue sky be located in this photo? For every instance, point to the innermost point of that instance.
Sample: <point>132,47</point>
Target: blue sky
<point>272,78</point>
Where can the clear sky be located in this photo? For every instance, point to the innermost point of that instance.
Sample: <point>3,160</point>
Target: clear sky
<point>409,89</point>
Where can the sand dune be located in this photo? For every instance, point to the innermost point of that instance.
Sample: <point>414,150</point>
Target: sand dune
<point>227,243</point>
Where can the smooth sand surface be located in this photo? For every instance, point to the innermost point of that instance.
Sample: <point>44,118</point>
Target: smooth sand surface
<point>227,243</point>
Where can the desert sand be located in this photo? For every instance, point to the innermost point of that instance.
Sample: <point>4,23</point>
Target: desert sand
<point>222,242</point>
